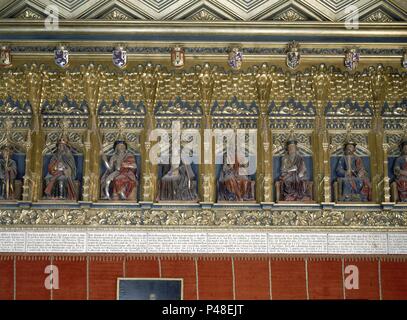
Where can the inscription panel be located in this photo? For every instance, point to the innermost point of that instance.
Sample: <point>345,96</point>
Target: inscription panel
<point>297,243</point>
<point>189,241</point>
<point>359,243</point>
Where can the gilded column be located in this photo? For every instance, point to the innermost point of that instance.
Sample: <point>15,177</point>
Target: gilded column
<point>150,79</point>
<point>378,82</point>
<point>266,189</point>
<point>32,182</point>
<point>91,176</point>
<point>205,77</point>
<point>377,157</point>
<point>322,175</point>
<point>264,183</point>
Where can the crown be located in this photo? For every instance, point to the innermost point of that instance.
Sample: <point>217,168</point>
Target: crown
<point>348,138</point>
<point>121,136</point>
<point>293,46</point>
<point>291,138</point>
<point>63,139</point>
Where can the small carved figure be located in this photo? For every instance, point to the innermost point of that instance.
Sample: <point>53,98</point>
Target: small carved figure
<point>8,173</point>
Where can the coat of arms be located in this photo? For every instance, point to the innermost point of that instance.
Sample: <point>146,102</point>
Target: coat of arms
<point>293,55</point>
<point>61,56</point>
<point>119,57</point>
<point>235,58</point>
<point>352,57</point>
<point>178,57</point>
<point>5,57</point>
<point>404,62</point>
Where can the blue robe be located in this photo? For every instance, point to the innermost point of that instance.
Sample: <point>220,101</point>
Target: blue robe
<point>356,186</point>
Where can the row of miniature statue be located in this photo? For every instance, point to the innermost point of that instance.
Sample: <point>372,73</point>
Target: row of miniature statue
<point>178,182</point>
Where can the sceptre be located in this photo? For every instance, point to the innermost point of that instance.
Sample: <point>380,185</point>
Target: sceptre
<point>7,176</point>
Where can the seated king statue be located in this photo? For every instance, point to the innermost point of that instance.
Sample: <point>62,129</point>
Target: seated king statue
<point>61,173</point>
<point>400,172</point>
<point>178,183</point>
<point>293,180</point>
<point>119,181</point>
<point>352,176</point>
<point>232,184</point>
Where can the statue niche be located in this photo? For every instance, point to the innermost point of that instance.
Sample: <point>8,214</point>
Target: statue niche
<point>61,173</point>
<point>233,183</point>
<point>293,183</point>
<point>119,181</point>
<point>178,182</point>
<point>11,172</point>
<point>399,185</point>
<point>352,178</point>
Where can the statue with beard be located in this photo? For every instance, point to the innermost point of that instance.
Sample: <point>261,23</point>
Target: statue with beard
<point>293,179</point>
<point>232,185</point>
<point>61,173</point>
<point>353,176</point>
<point>178,183</point>
<point>119,182</point>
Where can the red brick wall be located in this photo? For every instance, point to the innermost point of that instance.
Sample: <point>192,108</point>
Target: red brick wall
<point>206,277</point>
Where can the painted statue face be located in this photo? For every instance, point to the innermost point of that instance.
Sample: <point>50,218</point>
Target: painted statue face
<point>6,153</point>
<point>349,149</point>
<point>404,150</point>
<point>61,146</point>
<point>121,147</point>
<point>291,148</point>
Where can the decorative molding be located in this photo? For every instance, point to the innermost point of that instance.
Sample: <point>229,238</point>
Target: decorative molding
<point>121,107</point>
<point>203,50</point>
<point>254,218</point>
<point>377,16</point>
<point>292,108</point>
<point>203,15</point>
<point>234,107</point>
<point>116,15</point>
<point>398,109</point>
<point>289,15</point>
<point>211,10</point>
<point>65,106</point>
<point>28,14</point>
<point>178,108</point>
<point>348,109</point>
